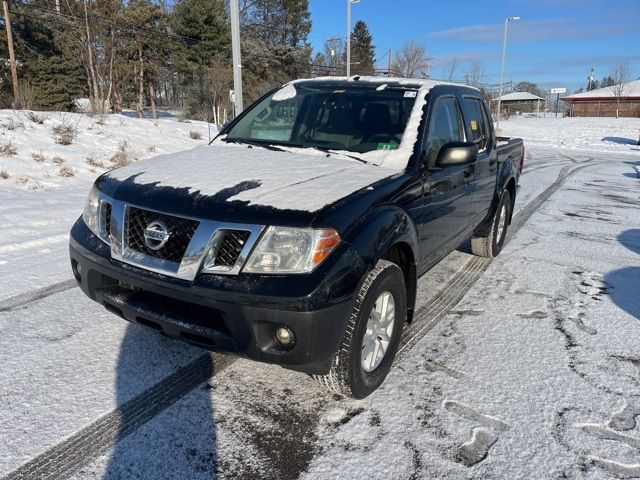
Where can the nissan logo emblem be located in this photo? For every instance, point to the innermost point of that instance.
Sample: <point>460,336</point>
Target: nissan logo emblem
<point>156,235</point>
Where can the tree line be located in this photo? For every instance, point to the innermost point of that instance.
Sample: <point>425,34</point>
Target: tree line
<point>145,54</point>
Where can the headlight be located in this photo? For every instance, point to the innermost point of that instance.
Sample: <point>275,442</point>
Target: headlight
<point>90,215</point>
<point>291,250</point>
<point>96,215</point>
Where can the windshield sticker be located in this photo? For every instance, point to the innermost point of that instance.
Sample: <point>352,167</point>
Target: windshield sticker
<point>474,125</point>
<point>410,94</point>
<point>387,146</point>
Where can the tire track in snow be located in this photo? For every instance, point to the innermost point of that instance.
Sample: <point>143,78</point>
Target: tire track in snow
<point>29,297</point>
<point>83,447</point>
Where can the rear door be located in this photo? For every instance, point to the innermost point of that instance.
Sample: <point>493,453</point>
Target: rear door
<point>446,211</point>
<point>479,130</point>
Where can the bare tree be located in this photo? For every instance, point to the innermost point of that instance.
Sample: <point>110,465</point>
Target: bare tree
<point>620,74</point>
<point>476,75</point>
<point>450,70</point>
<point>411,61</point>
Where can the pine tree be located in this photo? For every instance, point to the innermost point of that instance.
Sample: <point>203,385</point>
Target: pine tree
<point>274,47</point>
<point>206,24</point>
<point>607,81</point>
<point>362,50</point>
<point>51,78</point>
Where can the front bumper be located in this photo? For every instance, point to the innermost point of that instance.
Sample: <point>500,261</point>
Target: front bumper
<point>241,319</point>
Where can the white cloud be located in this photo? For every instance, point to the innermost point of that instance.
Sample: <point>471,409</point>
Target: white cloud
<point>533,30</point>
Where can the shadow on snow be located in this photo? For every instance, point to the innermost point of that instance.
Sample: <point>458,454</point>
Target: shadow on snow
<point>172,437</point>
<point>625,283</point>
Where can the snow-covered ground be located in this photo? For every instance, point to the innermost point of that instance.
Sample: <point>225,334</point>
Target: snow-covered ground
<point>524,367</point>
<point>604,135</point>
<point>31,157</point>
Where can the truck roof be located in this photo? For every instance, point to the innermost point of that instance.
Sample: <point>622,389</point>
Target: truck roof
<point>414,83</point>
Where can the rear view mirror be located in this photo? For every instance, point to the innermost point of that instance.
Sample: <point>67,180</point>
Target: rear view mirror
<point>457,153</point>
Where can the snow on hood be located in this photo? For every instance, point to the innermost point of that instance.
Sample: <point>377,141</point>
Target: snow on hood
<point>256,175</point>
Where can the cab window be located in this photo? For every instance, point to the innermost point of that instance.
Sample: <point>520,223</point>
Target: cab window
<point>476,121</point>
<point>445,127</point>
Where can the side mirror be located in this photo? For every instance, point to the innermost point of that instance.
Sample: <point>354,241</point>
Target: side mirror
<point>457,153</point>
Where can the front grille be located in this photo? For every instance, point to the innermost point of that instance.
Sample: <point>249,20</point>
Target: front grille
<point>106,219</point>
<point>180,232</point>
<point>230,247</point>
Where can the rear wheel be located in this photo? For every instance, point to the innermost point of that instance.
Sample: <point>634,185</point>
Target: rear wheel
<point>490,244</point>
<point>372,335</point>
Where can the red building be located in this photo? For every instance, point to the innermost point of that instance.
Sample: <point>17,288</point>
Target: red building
<point>603,102</point>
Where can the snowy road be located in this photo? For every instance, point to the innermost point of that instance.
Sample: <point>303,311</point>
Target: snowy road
<point>527,366</point>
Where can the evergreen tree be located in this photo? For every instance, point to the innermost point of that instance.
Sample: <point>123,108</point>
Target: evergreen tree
<point>362,50</point>
<point>607,81</point>
<point>51,79</point>
<point>274,48</point>
<point>206,24</point>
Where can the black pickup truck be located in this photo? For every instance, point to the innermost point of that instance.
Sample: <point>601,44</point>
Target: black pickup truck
<point>297,237</point>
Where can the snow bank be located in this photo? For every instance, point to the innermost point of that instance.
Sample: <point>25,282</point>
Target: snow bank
<point>32,158</point>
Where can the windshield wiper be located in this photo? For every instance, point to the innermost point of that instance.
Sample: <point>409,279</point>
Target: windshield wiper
<point>329,151</point>
<point>250,143</point>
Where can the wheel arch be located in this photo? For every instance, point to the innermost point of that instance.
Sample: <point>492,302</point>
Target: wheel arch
<point>389,233</point>
<point>402,255</point>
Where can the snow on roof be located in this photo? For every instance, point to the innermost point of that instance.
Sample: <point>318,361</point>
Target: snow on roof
<point>380,80</point>
<point>519,97</point>
<point>631,90</point>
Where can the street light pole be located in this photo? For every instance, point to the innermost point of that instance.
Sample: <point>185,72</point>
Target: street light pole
<point>349,2</point>
<point>236,57</point>
<point>504,54</point>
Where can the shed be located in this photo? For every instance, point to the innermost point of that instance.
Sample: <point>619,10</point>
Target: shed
<point>602,102</point>
<point>520,102</point>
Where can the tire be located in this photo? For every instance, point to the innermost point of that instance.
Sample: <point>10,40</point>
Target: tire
<point>348,376</point>
<point>492,242</point>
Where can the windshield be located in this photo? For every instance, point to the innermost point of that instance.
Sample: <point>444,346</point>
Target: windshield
<point>357,119</point>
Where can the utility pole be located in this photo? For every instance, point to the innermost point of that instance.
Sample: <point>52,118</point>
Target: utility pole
<point>333,45</point>
<point>236,57</point>
<point>12,56</point>
<point>349,2</point>
<point>590,79</point>
<point>504,54</point>
<point>389,59</point>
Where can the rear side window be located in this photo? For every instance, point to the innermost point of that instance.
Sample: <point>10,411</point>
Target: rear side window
<point>445,127</point>
<point>476,121</point>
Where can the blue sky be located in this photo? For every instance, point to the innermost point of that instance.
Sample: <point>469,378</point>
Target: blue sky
<point>555,43</point>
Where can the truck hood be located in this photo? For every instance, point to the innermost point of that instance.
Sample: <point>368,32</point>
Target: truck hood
<point>239,183</point>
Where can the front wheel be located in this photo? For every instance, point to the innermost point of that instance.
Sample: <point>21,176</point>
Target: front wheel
<point>490,244</point>
<point>372,335</point>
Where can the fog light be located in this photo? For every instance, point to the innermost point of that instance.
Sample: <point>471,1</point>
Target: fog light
<point>77,270</point>
<point>284,336</point>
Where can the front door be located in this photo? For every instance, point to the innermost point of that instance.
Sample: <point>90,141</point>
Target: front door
<point>446,212</point>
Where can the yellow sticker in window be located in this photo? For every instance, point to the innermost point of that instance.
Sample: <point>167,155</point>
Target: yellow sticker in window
<point>474,125</point>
